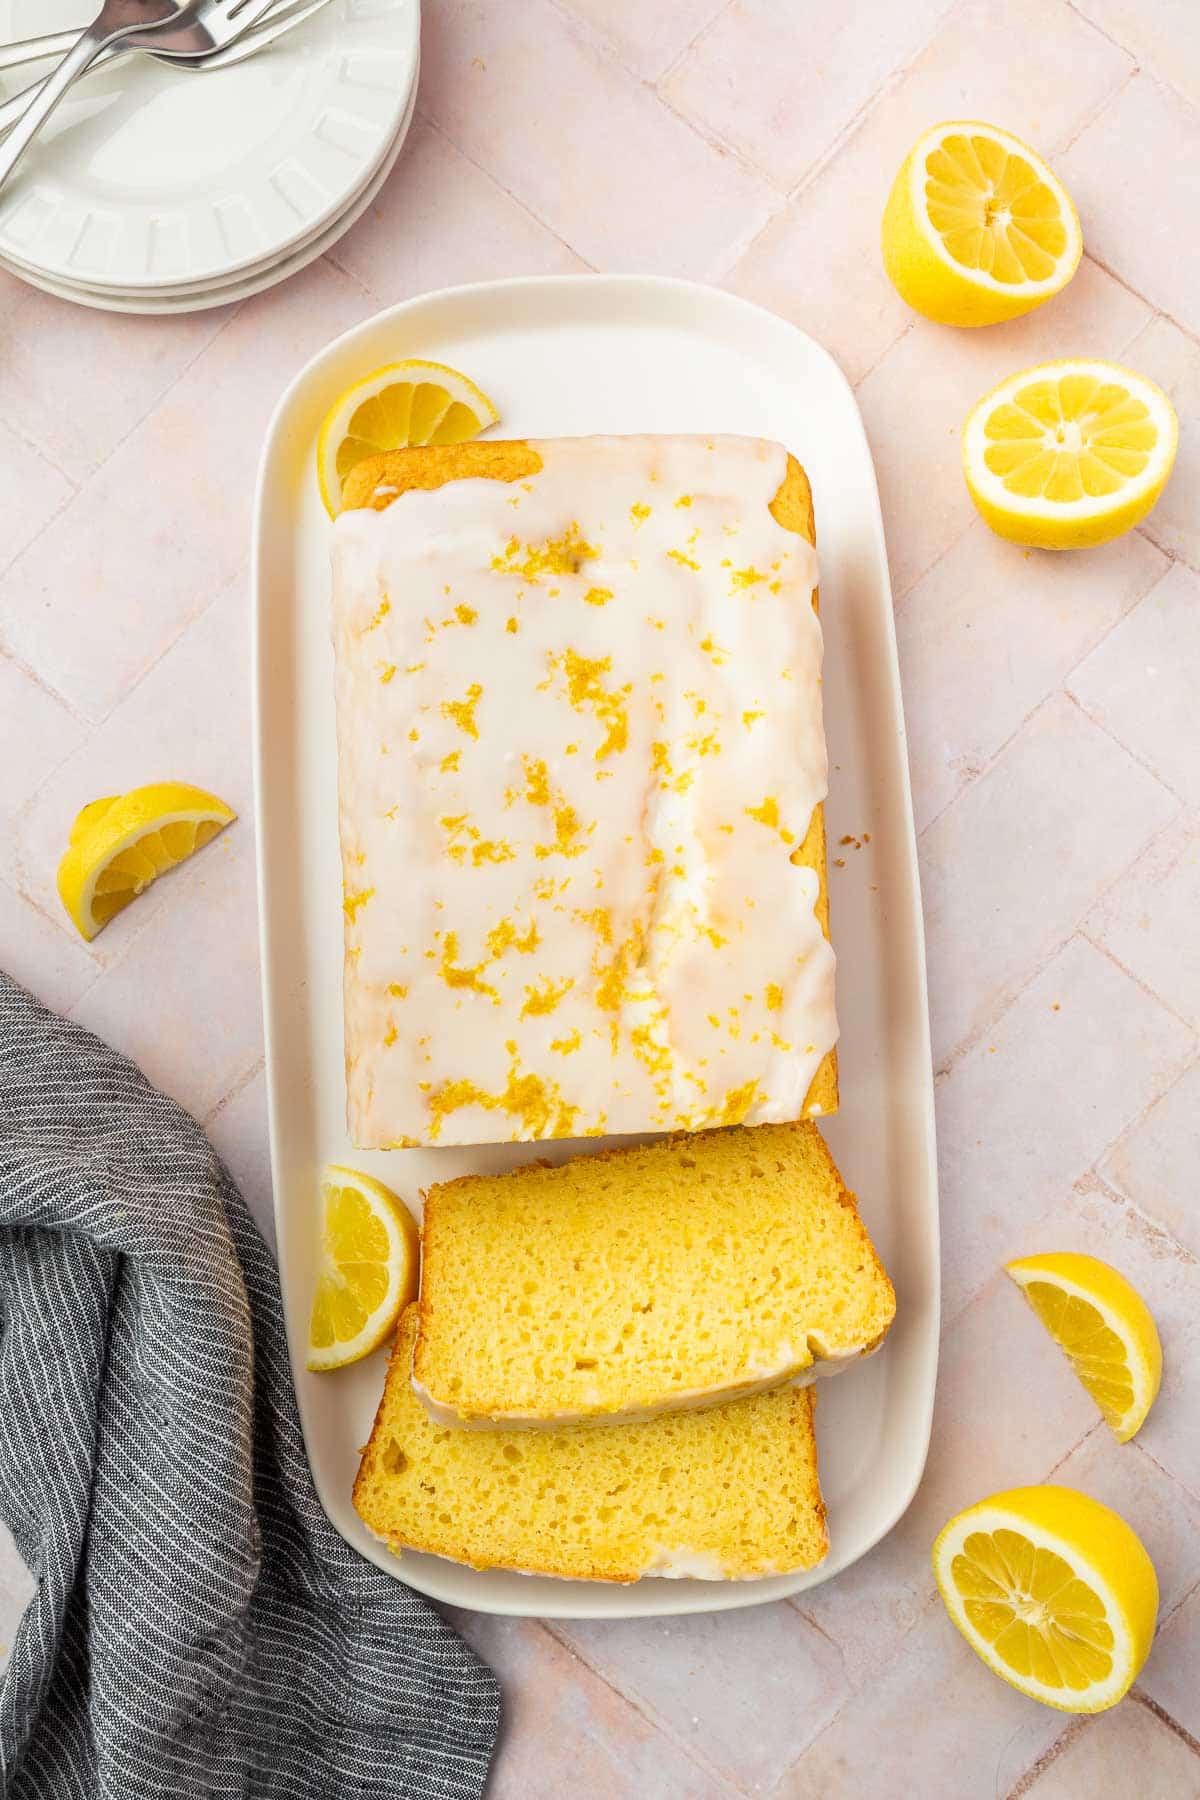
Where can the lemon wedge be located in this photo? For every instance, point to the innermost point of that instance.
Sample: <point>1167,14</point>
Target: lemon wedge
<point>368,1268</point>
<point>977,228</point>
<point>1104,1327</point>
<point>1054,1591</point>
<point>401,404</point>
<point>122,843</point>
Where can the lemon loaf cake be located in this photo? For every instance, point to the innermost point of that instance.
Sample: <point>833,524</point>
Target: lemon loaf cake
<point>581,772</point>
<point>664,1276</point>
<point>727,1494</point>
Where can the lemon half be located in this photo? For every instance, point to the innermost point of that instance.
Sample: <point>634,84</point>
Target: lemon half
<point>402,404</point>
<point>977,228</point>
<point>368,1268</point>
<point>122,843</point>
<point>1070,453</point>
<point>1103,1325</point>
<point>1054,1591</point>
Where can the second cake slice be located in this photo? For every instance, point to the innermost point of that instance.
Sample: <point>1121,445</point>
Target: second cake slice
<point>642,1280</point>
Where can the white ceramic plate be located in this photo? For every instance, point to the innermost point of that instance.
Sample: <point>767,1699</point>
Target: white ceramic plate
<point>240,287</point>
<point>566,356</point>
<point>148,176</point>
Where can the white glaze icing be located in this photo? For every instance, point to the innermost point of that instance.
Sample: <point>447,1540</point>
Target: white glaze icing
<point>580,735</point>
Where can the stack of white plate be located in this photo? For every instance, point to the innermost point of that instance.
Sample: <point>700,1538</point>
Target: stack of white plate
<point>160,190</point>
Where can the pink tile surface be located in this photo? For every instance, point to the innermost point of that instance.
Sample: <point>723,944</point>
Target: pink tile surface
<point>36,734</point>
<point>1013,1135</point>
<point>989,927</point>
<point>564,1731</point>
<point>1169,1677</point>
<point>791,1682</point>
<point>772,79</point>
<point>1154,1163</point>
<point>32,492</point>
<point>989,633</point>
<point>1129,1738</point>
<point>647,35</point>
<point>1139,682</point>
<point>549,142</point>
<point>1172,358</point>
<point>1051,711</point>
<point>1138,211</point>
<point>35,952</point>
<point>1145,920</point>
<point>439,220</point>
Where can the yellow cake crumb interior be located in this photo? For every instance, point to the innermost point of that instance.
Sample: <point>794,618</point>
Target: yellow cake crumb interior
<point>656,1276</point>
<point>731,1492</point>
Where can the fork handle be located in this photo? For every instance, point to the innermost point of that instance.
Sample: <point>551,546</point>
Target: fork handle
<point>56,43</point>
<point>83,53</point>
<point>19,103</point>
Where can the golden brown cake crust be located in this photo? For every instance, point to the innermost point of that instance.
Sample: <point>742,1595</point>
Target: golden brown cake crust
<point>379,480</point>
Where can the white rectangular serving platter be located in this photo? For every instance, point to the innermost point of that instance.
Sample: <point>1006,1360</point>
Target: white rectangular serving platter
<point>568,356</point>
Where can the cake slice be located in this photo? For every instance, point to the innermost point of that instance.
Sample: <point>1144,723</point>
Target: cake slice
<point>581,768</point>
<point>642,1280</point>
<point>728,1494</point>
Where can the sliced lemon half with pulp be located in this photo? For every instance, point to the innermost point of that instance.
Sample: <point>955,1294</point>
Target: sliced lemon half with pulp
<point>1054,1591</point>
<point>977,228</point>
<point>1069,454</point>
<point>122,843</point>
<point>402,404</point>
<point>368,1268</point>
<point>1103,1325</point>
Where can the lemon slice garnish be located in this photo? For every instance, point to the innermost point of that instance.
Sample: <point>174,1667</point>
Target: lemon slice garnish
<point>1103,1325</point>
<point>402,404</point>
<point>122,843</point>
<point>977,228</point>
<point>1054,1591</point>
<point>367,1271</point>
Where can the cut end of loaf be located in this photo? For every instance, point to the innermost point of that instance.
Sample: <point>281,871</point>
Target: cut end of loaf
<point>654,1278</point>
<point>729,1494</point>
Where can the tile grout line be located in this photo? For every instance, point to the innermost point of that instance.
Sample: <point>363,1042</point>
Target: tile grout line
<point>993,758</point>
<point>661,1727</point>
<point>1151,73</point>
<point>22,436</point>
<point>1192,1029</point>
<point>1136,755</point>
<point>12,561</point>
<point>137,424</point>
<point>356,281</point>
<point>890,82</point>
<point>235,1091</point>
<point>1141,1698</point>
<point>447,137</point>
<point>1114,93</point>
<point>595,34</point>
<point>1073,1729</point>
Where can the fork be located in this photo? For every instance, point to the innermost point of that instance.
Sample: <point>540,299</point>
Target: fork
<point>189,28</point>
<point>57,43</point>
<point>282,17</point>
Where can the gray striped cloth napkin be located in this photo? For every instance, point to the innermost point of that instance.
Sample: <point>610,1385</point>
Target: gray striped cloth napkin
<point>198,1627</point>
